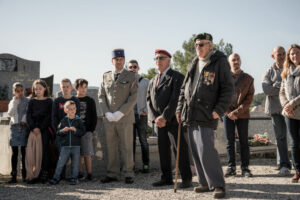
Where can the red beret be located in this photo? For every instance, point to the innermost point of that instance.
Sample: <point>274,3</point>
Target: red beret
<point>163,52</point>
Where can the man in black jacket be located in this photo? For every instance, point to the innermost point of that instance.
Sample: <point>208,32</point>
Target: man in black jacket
<point>162,97</point>
<point>205,96</point>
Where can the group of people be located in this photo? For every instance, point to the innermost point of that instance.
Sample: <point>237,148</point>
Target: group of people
<point>214,87</point>
<point>52,131</point>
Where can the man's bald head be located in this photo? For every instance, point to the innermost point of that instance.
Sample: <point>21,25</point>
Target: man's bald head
<point>235,62</point>
<point>278,54</point>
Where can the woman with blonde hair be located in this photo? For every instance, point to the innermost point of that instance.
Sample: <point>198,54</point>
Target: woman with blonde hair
<point>290,100</point>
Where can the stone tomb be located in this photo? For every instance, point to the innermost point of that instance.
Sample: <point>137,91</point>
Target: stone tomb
<point>15,69</point>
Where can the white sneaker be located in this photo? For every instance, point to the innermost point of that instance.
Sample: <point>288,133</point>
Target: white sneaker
<point>284,171</point>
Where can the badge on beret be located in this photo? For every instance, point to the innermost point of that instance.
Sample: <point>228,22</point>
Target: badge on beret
<point>203,36</point>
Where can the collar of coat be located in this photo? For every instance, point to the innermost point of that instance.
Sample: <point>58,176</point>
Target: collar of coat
<point>165,79</point>
<point>192,66</point>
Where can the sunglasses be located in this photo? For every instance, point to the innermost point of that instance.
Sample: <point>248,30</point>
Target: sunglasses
<point>161,58</point>
<point>132,67</point>
<point>201,44</point>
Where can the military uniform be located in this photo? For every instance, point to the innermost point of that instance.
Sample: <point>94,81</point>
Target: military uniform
<point>119,95</point>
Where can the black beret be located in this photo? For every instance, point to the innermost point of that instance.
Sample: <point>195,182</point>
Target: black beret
<point>203,36</point>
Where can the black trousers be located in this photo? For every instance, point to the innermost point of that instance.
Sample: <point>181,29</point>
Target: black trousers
<point>166,136</point>
<point>45,145</point>
<point>139,128</point>
<point>14,159</point>
<point>242,129</point>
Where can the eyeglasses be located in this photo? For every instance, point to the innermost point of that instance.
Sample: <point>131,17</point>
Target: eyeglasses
<point>201,44</point>
<point>160,58</point>
<point>132,67</point>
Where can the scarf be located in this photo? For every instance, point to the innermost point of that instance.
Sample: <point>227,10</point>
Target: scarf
<point>293,83</point>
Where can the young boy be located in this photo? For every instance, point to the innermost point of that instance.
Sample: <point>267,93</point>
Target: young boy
<point>88,115</point>
<point>58,105</point>
<point>70,131</point>
<point>58,108</point>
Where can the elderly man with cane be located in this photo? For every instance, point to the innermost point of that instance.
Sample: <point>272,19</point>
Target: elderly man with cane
<point>205,96</point>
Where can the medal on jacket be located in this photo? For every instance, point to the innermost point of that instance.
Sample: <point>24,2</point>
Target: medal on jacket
<point>209,78</point>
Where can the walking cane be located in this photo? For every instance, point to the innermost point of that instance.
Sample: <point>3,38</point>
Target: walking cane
<point>177,156</point>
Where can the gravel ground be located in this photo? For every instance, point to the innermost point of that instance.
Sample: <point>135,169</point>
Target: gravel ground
<point>265,184</point>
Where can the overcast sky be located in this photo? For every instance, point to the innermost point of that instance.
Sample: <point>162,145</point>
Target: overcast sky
<point>74,38</point>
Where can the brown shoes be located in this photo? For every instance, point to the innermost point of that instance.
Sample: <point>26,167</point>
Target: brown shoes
<point>219,193</point>
<point>201,189</point>
<point>296,177</point>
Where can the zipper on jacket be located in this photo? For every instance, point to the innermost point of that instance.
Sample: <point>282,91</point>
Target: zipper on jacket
<point>70,140</point>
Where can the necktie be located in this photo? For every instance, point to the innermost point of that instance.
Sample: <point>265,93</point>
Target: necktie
<point>158,80</point>
<point>117,76</point>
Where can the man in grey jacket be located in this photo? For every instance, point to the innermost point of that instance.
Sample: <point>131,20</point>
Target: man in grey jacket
<point>271,86</point>
<point>140,112</point>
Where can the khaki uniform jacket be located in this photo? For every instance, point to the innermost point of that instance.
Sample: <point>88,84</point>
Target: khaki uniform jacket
<point>120,95</point>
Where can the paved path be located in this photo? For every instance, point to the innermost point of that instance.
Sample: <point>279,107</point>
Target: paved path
<point>264,185</point>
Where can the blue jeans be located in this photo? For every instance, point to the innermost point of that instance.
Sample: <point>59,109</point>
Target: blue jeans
<point>293,127</point>
<point>281,139</point>
<point>65,153</point>
<point>242,129</point>
<point>139,128</point>
<point>58,144</point>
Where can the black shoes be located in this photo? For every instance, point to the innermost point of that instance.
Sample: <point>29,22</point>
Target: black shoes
<point>89,177</point>
<point>129,180</point>
<point>231,171</point>
<point>162,183</point>
<point>185,184</point>
<point>33,181</point>
<point>108,179</point>
<point>246,172</point>
<point>53,181</point>
<point>13,178</point>
<point>80,176</point>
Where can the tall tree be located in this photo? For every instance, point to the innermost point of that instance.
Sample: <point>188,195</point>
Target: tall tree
<point>182,59</point>
<point>150,73</point>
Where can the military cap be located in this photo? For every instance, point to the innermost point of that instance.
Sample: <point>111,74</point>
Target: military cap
<point>203,36</point>
<point>118,53</point>
<point>162,51</point>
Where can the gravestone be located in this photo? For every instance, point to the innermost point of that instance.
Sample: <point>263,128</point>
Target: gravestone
<point>15,69</point>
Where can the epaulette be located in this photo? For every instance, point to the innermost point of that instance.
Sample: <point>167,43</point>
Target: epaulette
<point>107,72</point>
